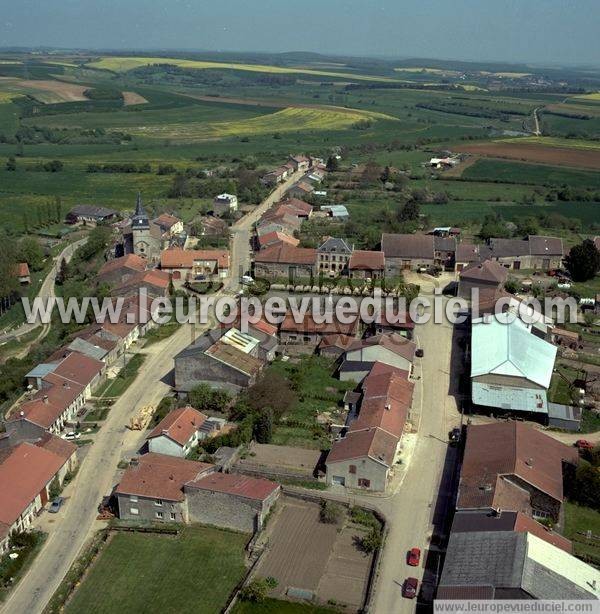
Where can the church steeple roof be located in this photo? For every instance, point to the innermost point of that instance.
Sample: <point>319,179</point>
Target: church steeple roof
<point>140,219</point>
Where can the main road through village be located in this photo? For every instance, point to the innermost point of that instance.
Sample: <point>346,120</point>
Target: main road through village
<point>75,524</point>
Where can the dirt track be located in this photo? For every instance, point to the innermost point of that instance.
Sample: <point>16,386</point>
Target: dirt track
<point>555,156</point>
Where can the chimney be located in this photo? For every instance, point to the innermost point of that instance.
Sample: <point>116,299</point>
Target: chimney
<point>529,462</point>
<point>45,399</point>
<point>388,406</point>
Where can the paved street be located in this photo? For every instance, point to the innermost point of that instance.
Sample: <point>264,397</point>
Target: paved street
<point>75,523</point>
<point>411,510</point>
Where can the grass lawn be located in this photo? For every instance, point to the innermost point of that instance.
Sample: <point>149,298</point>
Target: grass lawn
<point>589,288</point>
<point>15,569</point>
<point>317,392</point>
<point>581,519</point>
<point>161,332</point>
<point>560,391</point>
<point>117,386</point>
<point>138,572</point>
<point>590,421</point>
<point>276,606</point>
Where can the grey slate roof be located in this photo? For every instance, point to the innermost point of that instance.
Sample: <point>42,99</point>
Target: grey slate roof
<point>333,244</point>
<point>91,211</point>
<point>407,246</point>
<point>88,349</point>
<point>487,558</point>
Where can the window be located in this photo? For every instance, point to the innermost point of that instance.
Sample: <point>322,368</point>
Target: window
<point>352,469</point>
<point>158,502</point>
<point>364,482</point>
<point>540,514</point>
<point>159,515</point>
<point>133,498</point>
<point>172,515</point>
<point>134,511</point>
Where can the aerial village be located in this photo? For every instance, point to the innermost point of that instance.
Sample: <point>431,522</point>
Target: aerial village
<point>446,458</point>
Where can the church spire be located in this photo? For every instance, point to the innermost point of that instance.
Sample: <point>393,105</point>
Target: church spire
<point>140,218</point>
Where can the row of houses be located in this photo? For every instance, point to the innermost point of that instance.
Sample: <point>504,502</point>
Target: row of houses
<point>511,481</point>
<point>281,257</point>
<point>31,460</point>
<point>295,163</point>
<point>416,251</point>
<point>364,455</point>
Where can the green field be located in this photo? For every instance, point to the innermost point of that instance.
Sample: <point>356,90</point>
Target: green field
<point>579,519</point>
<point>539,174</point>
<point>139,572</point>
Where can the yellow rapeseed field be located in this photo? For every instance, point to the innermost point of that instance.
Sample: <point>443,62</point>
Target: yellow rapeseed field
<point>291,119</point>
<point>123,64</point>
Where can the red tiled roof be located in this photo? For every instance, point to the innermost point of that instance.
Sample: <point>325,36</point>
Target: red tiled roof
<point>400,320</point>
<point>165,220</point>
<point>287,254</point>
<point>130,261</point>
<point>235,484</point>
<point>374,443</point>
<point>391,341</point>
<point>272,238</point>
<point>151,278</point>
<point>78,368</point>
<point>22,269</point>
<point>57,445</point>
<point>308,325</point>
<point>120,330</point>
<point>298,205</point>
<point>364,260</point>
<point>525,524</point>
<point>488,271</point>
<point>494,451</point>
<point>25,470</point>
<point>177,258</point>
<point>339,341</point>
<point>159,476</point>
<point>179,425</point>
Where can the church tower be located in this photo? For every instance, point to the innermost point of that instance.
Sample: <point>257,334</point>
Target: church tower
<point>143,242</point>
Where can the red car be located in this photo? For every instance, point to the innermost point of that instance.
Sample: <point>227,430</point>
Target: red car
<point>414,557</point>
<point>409,588</point>
<point>584,444</point>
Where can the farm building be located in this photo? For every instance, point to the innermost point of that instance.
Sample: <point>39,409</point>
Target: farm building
<point>416,251</point>
<point>90,215</point>
<point>534,252</point>
<point>22,274</point>
<point>285,261</point>
<point>390,349</point>
<point>302,189</point>
<point>513,565</point>
<point>365,455</point>
<point>513,467</point>
<point>365,264</point>
<point>117,271</point>
<point>227,359</point>
<point>511,367</point>
<point>161,488</point>
<point>486,276</point>
<point>337,212</point>
<point>309,331</point>
<point>300,162</point>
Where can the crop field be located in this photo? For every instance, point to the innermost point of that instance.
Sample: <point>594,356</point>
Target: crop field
<point>540,154</point>
<point>549,141</point>
<point>535,174</point>
<point>131,98</point>
<point>574,109</point>
<point>286,120</point>
<point>170,574</point>
<point>125,64</point>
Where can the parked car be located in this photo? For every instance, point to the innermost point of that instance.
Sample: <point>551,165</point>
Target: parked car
<point>409,588</point>
<point>247,279</point>
<point>72,435</point>
<point>584,444</point>
<point>419,353</point>
<point>56,505</point>
<point>455,434</point>
<point>414,557</point>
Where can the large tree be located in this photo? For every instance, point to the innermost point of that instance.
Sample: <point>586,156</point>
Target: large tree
<point>583,261</point>
<point>272,391</point>
<point>30,251</point>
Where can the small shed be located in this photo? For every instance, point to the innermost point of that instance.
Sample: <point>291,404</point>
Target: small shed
<point>566,417</point>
